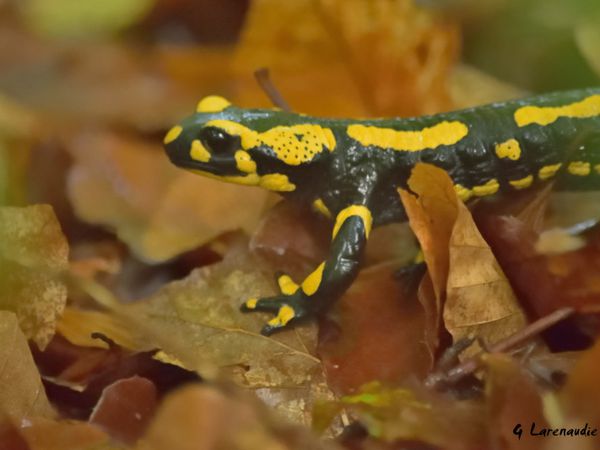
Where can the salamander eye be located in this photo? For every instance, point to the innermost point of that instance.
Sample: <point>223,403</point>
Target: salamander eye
<point>218,141</point>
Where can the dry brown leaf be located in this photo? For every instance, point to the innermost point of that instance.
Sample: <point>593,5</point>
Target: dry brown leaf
<point>160,211</point>
<point>197,321</point>
<point>33,257</point>
<point>467,280</point>
<point>205,418</point>
<point>431,216</point>
<point>349,58</point>
<point>46,434</point>
<point>480,301</point>
<point>21,391</point>
<point>512,399</point>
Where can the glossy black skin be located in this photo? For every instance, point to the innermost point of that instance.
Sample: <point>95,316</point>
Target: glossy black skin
<point>357,175</point>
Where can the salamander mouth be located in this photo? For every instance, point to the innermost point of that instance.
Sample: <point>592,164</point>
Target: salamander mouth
<point>218,165</point>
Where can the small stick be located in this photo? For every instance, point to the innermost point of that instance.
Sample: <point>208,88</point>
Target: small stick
<point>470,365</point>
<point>264,81</point>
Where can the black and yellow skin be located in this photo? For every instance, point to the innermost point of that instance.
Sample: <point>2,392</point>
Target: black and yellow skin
<point>350,170</point>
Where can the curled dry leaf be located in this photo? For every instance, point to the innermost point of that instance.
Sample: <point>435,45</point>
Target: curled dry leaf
<point>197,321</point>
<point>203,417</point>
<point>353,55</point>
<point>158,210</point>
<point>478,298</point>
<point>33,257</point>
<point>21,391</point>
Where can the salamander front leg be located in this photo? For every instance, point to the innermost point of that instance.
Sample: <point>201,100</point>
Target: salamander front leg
<point>327,282</point>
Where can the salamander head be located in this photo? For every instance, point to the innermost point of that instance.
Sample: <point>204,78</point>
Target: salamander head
<point>265,148</point>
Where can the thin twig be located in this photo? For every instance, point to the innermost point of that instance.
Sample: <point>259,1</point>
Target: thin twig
<point>264,81</point>
<point>470,365</point>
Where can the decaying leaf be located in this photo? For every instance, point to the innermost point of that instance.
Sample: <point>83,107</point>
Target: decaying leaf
<point>21,391</point>
<point>414,414</point>
<point>204,417</point>
<point>198,322</point>
<point>465,274</point>
<point>379,334</point>
<point>350,58</point>
<point>513,399</point>
<point>480,301</point>
<point>158,210</point>
<point>33,257</point>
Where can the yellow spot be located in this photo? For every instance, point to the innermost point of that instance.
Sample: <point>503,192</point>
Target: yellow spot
<point>509,149</point>
<point>251,303</point>
<point>212,103</point>
<point>319,206</point>
<point>311,283</point>
<point>293,145</point>
<point>244,162</point>
<point>284,315</point>
<point>489,188</point>
<point>287,286</point>
<point>463,193</point>
<point>588,107</point>
<point>522,183</point>
<point>444,133</point>
<point>277,182</point>
<point>172,134</point>
<point>548,171</point>
<point>354,210</point>
<point>579,168</point>
<point>597,168</point>
<point>199,152</point>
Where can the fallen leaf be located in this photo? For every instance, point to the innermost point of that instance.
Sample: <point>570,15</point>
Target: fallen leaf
<point>158,216</point>
<point>513,399</point>
<point>480,301</point>
<point>46,434</point>
<point>34,257</point>
<point>432,216</point>
<point>21,391</point>
<point>377,334</point>
<point>203,417</point>
<point>352,55</point>
<point>197,321</point>
<point>125,408</point>
<point>587,38</point>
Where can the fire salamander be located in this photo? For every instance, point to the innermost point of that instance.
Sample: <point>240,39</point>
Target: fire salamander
<point>350,170</point>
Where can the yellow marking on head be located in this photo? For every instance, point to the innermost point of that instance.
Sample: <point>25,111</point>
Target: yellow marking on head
<point>244,162</point>
<point>588,107</point>
<point>463,193</point>
<point>489,188</point>
<point>277,182</point>
<point>212,103</point>
<point>198,152</point>
<point>548,171</point>
<point>355,210</point>
<point>252,179</point>
<point>509,149</point>
<point>287,286</point>
<point>293,145</point>
<point>311,283</point>
<point>444,133</point>
<point>251,303</point>
<point>284,315</point>
<point>320,207</point>
<point>579,168</point>
<point>522,183</point>
<point>172,134</point>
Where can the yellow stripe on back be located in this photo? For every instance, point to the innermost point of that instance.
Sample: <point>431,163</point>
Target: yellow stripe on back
<point>443,133</point>
<point>545,115</point>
